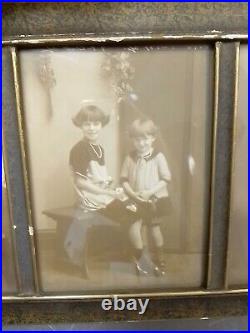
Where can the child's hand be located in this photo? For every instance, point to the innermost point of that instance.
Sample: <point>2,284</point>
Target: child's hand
<point>145,195</point>
<point>116,194</point>
<point>109,181</point>
<point>120,194</point>
<point>138,198</point>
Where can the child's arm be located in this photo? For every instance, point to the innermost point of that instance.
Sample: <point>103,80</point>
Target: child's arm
<point>164,174</point>
<point>84,184</point>
<point>124,180</point>
<point>146,195</point>
<point>79,165</point>
<point>163,168</point>
<point>130,191</point>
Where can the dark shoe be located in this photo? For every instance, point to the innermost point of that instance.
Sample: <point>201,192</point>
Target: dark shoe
<point>159,261</point>
<point>158,271</point>
<point>140,270</point>
<point>162,264</point>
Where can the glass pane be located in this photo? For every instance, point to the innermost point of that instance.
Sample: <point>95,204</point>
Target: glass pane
<point>238,242</point>
<point>9,283</point>
<point>94,233</point>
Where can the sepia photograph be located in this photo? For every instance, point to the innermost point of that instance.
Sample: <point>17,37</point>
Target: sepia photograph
<point>118,142</point>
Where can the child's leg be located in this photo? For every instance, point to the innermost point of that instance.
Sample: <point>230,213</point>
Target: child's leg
<point>135,235</point>
<point>157,236</point>
<point>158,242</point>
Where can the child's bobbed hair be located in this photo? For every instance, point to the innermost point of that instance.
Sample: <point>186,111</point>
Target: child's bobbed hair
<point>90,113</point>
<point>142,127</point>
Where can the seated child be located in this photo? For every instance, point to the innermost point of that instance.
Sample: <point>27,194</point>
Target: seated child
<point>92,182</point>
<point>145,175</point>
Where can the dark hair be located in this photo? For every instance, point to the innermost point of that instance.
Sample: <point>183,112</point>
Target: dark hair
<point>142,127</point>
<point>90,113</point>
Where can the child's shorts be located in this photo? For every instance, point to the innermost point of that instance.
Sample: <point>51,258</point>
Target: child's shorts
<point>118,212</point>
<point>151,213</point>
<point>129,211</point>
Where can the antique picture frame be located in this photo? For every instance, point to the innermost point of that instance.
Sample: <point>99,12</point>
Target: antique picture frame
<point>226,48</point>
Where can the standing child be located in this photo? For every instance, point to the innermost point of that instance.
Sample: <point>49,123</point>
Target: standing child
<point>145,176</point>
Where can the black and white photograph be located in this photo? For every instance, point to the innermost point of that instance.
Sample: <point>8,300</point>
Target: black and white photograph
<point>124,166</point>
<point>119,144</point>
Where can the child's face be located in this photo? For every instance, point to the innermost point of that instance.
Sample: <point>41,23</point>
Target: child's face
<point>143,144</point>
<point>91,130</point>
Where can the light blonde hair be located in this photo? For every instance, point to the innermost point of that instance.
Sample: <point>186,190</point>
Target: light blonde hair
<point>142,127</point>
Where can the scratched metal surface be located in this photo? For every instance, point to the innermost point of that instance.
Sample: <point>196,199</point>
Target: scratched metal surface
<point>82,312</point>
<point>204,324</point>
<point>64,18</point>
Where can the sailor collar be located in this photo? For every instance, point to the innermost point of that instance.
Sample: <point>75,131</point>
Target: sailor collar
<point>147,157</point>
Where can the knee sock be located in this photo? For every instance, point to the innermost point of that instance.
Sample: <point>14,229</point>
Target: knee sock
<point>159,255</point>
<point>137,253</point>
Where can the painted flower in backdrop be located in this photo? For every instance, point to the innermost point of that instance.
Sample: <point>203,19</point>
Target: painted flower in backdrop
<point>118,70</point>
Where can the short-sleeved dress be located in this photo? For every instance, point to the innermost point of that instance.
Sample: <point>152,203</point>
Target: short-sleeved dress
<point>88,162</point>
<point>144,173</point>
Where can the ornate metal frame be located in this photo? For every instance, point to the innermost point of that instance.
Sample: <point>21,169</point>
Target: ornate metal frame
<point>226,62</point>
